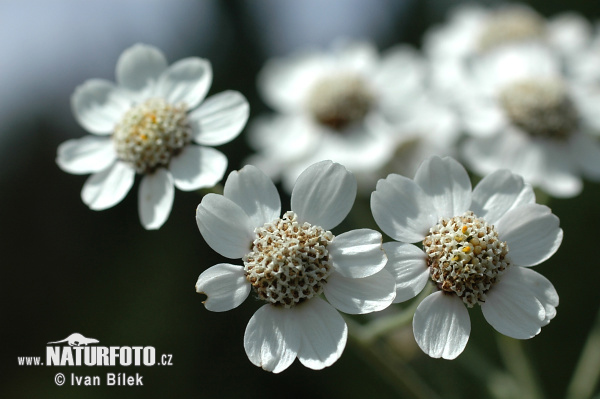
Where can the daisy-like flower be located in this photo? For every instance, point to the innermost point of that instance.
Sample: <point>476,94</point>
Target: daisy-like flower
<point>148,124</point>
<point>525,114</point>
<point>289,261</point>
<point>477,247</point>
<point>473,31</point>
<point>341,104</point>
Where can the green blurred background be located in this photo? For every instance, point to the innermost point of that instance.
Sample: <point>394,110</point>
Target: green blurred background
<point>69,269</point>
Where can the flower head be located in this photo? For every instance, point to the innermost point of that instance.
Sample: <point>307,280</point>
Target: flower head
<point>473,30</point>
<point>477,249</point>
<point>289,261</point>
<point>526,114</point>
<point>348,104</point>
<point>148,123</point>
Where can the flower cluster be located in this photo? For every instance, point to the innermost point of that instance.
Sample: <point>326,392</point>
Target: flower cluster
<point>350,121</point>
<point>523,87</point>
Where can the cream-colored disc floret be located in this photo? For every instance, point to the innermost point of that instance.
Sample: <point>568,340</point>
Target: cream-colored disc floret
<point>540,107</point>
<point>289,262</point>
<point>510,25</point>
<point>465,257</point>
<point>340,100</point>
<point>151,133</point>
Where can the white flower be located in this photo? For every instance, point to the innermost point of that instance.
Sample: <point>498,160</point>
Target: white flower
<point>528,116</point>
<point>473,31</point>
<point>477,247</point>
<point>147,123</point>
<point>290,261</point>
<point>349,105</point>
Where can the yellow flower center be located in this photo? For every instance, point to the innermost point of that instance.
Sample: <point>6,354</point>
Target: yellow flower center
<point>540,107</point>
<point>465,257</point>
<point>151,133</point>
<point>289,262</point>
<point>340,100</point>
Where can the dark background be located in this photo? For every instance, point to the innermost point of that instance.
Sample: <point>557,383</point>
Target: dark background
<point>69,269</point>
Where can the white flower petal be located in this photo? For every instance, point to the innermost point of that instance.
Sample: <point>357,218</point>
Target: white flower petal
<point>584,93</point>
<point>255,193</point>
<point>540,287</point>
<point>323,332</point>
<point>287,138</point>
<point>271,339</point>
<point>139,67</point>
<point>561,177</point>
<point>408,264</point>
<point>197,167</point>
<point>458,37</point>
<point>324,194</point>
<point>358,148</point>
<point>187,80</point>
<point>108,187</point>
<point>531,232</point>
<point>481,117</point>
<point>98,105</point>
<point>498,193</point>
<point>357,253</point>
<point>220,118</point>
<point>523,155</point>
<point>225,226</point>
<point>586,152</point>
<point>569,32</point>
<point>360,295</point>
<point>356,56</point>
<point>225,287</point>
<point>401,209</point>
<point>511,307</point>
<point>284,83</point>
<point>399,75</point>
<point>155,198</point>
<point>508,64</point>
<point>442,326</point>
<point>88,154</point>
<point>448,185</point>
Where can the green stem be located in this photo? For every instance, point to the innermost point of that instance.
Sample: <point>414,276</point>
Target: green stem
<point>587,371</point>
<point>499,383</point>
<point>369,341</point>
<point>391,368</point>
<point>519,365</point>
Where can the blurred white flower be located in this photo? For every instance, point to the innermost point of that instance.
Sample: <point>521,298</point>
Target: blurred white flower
<point>528,116</point>
<point>349,105</point>
<point>477,247</point>
<point>474,30</point>
<point>147,124</point>
<point>290,261</point>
